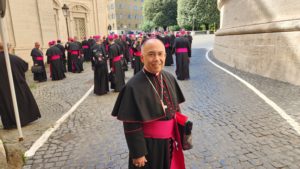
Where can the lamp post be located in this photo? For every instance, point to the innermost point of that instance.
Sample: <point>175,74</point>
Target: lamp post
<point>65,10</point>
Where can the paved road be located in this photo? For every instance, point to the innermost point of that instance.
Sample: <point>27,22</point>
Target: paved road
<point>233,127</point>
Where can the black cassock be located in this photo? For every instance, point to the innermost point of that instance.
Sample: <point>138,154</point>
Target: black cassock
<point>75,49</point>
<point>38,59</point>
<point>118,74</point>
<point>126,51</point>
<point>169,58</point>
<point>56,66</point>
<point>182,50</point>
<point>138,103</point>
<point>69,61</point>
<point>91,43</point>
<point>138,65</point>
<point>63,56</point>
<point>122,48</point>
<point>86,50</point>
<point>27,106</point>
<point>190,38</point>
<point>100,69</point>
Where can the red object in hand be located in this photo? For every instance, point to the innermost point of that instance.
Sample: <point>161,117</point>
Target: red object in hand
<point>181,118</point>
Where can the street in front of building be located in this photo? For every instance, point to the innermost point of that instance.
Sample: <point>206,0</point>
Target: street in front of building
<point>233,127</point>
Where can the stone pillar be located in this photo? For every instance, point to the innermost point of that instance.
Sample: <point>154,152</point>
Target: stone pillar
<point>260,37</point>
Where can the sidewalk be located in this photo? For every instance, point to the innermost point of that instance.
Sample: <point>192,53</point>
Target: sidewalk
<point>54,98</point>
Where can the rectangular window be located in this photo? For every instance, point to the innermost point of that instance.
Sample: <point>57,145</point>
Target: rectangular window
<point>129,16</point>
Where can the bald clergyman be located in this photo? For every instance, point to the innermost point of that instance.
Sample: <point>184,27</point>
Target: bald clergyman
<point>147,106</point>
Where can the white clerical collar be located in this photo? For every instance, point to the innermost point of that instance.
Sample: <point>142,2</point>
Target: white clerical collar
<point>156,74</point>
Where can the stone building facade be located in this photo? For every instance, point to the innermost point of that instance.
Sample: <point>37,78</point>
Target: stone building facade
<point>260,37</point>
<point>42,20</point>
<point>125,15</point>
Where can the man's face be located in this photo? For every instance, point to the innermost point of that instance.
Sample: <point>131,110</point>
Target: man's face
<point>37,45</point>
<point>153,55</point>
<point>99,41</point>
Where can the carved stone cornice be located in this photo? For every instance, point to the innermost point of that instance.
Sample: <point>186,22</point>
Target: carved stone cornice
<point>270,27</point>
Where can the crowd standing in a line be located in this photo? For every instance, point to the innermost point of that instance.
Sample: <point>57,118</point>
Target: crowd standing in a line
<point>109,56</point>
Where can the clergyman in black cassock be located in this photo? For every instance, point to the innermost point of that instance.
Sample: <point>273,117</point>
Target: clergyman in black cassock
<point>28,109</point>
<point>63,54</point>
<point>167,42</point>
<point>86,49</point>
<point>100,68</point>
<point>75,49</point>
<point>151,98</point>
<point>182,50</point>
<point>69,60</point>
<point>38,59</point>
<point>54,59</point>
<point>91,43</point>
<point>138,65</point>
<point>114,53</point>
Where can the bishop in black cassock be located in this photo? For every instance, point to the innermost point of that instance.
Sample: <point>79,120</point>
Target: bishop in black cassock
<point>114,54</point>
<point>148,105</point>
<point>99,58</point>
<point>38,59</point>
<point>54,59</point>
<point>182,50</point>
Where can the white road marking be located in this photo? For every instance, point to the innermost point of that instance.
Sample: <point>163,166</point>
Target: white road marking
<point>39,142</point>
<point>279,110</point>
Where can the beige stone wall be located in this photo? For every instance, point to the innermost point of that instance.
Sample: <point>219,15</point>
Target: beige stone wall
<point>43,21</point>
<point>260,37</point>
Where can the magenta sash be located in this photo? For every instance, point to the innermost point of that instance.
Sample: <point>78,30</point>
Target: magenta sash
<point>164,130</point>
<point>130,51</point>
<point>74,52</point>
<point>55,57</point>
<point>154,129</point>
<point>106,47</point>
<point>181,50</point>
<point>85,46</point>
<point>117,58</point>
<point>39,58</point>
<point>139,53</point>
<point>167,45</point>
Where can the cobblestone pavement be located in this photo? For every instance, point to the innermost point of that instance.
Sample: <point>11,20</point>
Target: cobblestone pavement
<point>233,127</point>
<point>54,98</point>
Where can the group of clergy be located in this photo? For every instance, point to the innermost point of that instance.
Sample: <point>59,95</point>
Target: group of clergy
<point>109,57</point>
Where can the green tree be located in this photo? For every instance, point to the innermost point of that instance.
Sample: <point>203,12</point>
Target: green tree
<point>147,26</point>
<point>186,12</point>
<point>174,28</point>
<point>163,13</point>
<point>193,13</point>
<point>208,12</point>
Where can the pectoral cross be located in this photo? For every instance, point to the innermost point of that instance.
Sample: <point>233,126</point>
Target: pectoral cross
<point>164,105</point>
